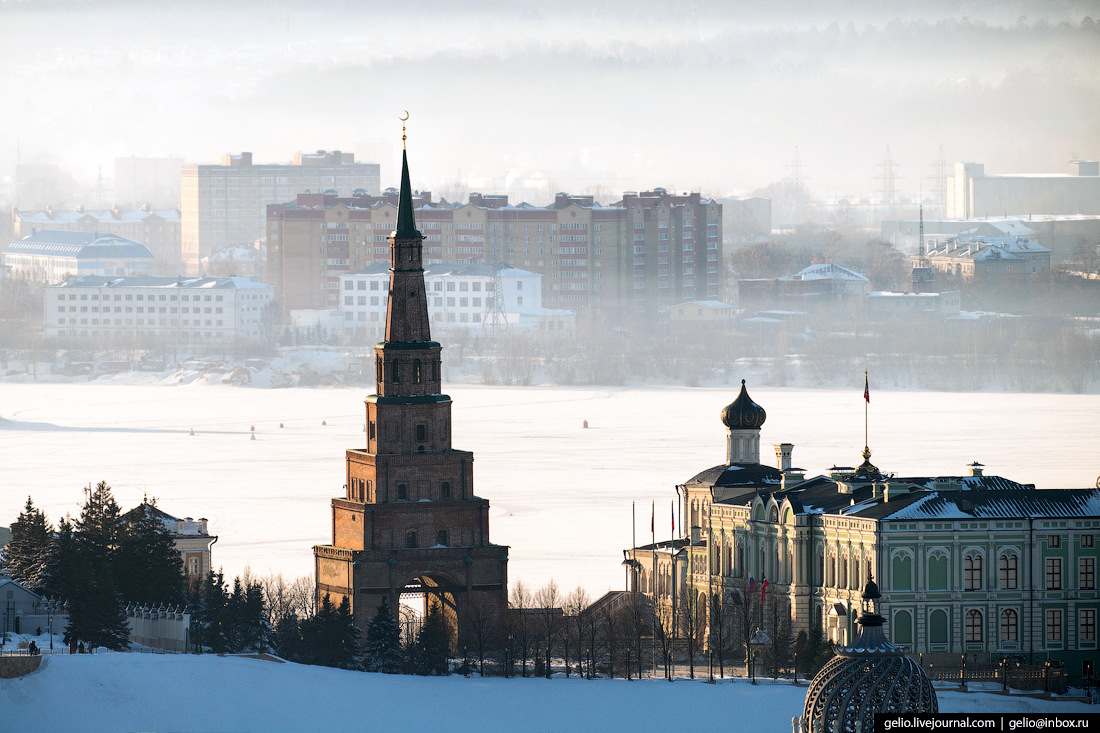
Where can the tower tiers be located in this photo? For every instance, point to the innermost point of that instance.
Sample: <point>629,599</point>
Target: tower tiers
<point>409,516</point>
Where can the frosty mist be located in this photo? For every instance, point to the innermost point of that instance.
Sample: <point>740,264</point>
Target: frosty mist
<point>706,95</point>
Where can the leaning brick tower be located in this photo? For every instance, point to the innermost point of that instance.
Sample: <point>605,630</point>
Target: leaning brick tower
<point>409,521</point>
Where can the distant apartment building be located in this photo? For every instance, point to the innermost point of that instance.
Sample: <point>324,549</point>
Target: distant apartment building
<point>226,204</point>
<point>971,192</point>
<point>52,256</point>
<point>153,180</point>
<point>459,296</point>
<point>815,282</point>
<point>626,262</point>
<point>184,310</point>
<point>1064,235</point>
<point>157,229</point>
<point>701,318</point>
<point>989,257</point>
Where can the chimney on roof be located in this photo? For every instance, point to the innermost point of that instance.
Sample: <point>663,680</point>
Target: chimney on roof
<point>783,455</point>
<point>976,469</point>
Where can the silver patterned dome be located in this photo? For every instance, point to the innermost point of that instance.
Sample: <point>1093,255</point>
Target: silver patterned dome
<point>870,676</point>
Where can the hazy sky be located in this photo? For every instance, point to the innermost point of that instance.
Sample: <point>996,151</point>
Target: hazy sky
<point>702,94</point>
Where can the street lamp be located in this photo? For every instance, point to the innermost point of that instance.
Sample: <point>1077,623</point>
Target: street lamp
<point>759,640</point>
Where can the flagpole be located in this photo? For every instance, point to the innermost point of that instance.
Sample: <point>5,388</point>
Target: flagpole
<point>633,544</point>
<point>653,575</point>
<point>672,656</point>
<point>866,404</point>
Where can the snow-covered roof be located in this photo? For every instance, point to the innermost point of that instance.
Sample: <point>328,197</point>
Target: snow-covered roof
<point>108,216</point>
<point>715,304</point>
<point>81,245</point>
<point>149,281</point>
<point>827,271</point>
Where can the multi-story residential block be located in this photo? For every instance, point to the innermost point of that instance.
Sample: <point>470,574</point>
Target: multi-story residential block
<point>975,564</point>
<point>183,310</point>
<point>625,262</point>
<point>461,296</point>
<point>51,256</point>
<point>225,204</point>
<point>157,229</point>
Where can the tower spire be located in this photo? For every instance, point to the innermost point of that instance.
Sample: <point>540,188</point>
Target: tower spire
<point>406,223</point>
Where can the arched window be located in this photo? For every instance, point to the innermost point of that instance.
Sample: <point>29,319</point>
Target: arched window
<point>395,372</point>
<point>1009,625</point>
<point>903,628</point>
<point>378,369</point>
<point>445,490</point>
<point>441,537</point>
<point>972,572</point>
<point>843,565</point>
<point>410,539</point>
<point>421,432</point>
<point>370,430</point>
<point>416,370</point>
<point>1006,572</point>
<point>902,568</point>
<point>758,515</point>
<point>937,627</point>
<point>402,492</point>
<point>830,579</point>
<point>973,625</point>
<point>937,573</point>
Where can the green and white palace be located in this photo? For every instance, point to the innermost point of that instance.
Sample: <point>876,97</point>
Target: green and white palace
<point>976,565</point>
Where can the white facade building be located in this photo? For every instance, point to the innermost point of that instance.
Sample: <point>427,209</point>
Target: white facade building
<point>458,296</point>
<point>49,256</point>
<point>188,310</point>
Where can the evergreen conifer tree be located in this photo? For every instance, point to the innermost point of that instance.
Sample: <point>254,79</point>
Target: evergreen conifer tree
<point>64,567</point>
<point>26,554</point>
<point>96,610</point>
<point>382,652</point>
<point>149,568</point>
<point>433,643</point>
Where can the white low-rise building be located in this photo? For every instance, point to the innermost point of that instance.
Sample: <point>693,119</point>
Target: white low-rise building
<point>187,310</point>
<point>461,296</point>
<point>52,256</point>
<point>883,305</point>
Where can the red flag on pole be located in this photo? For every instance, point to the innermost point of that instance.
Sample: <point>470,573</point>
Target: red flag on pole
<point>866,388</point>
<point>652,511</point>
<point>673,510</point>
<point>763,587</point>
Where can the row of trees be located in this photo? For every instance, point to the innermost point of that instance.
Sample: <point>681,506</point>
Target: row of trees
<point>98,563</point>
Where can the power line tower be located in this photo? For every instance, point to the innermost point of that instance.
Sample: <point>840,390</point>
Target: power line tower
<point>939,184</point>
<point>494,306</point>
<point>888,177</point>
<point>796,178</point>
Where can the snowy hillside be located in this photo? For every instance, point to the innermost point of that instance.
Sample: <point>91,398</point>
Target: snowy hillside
<point>116,692</point>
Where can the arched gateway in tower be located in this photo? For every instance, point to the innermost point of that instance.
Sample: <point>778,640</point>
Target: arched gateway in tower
<point>409,520</point>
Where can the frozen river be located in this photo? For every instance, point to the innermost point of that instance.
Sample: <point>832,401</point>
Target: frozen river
<point>561,495</point>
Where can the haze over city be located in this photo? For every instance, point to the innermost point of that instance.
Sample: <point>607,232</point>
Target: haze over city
<point>702,95</point>
<point>352,350</point>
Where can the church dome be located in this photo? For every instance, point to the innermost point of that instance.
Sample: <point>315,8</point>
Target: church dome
<point>743,413</point>
<point>870,676</point>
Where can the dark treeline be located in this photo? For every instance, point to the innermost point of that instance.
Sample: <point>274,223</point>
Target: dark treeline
<point>97,563</point>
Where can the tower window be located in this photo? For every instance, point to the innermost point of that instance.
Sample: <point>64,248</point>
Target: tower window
<point>416,370</point>
<point>370,430</point>
<point>402,492</point>
<point>395,373</point>
<point>421,432</point>
<point>445,490</point>
<point>441,537</point>
<point>410,539</point>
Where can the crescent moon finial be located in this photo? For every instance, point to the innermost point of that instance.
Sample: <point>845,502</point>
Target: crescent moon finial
<point>403,119</point>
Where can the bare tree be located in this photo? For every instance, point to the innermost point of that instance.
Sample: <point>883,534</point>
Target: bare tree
<point>519,603</point>
<point>548,601</point>
<point>480,629</point>
<point>574,606</point>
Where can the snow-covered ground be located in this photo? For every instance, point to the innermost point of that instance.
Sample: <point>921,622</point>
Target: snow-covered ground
<point>561,495</point>
<point>118,692</point>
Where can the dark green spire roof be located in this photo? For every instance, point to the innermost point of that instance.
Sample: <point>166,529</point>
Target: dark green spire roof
<point>406,224</point>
